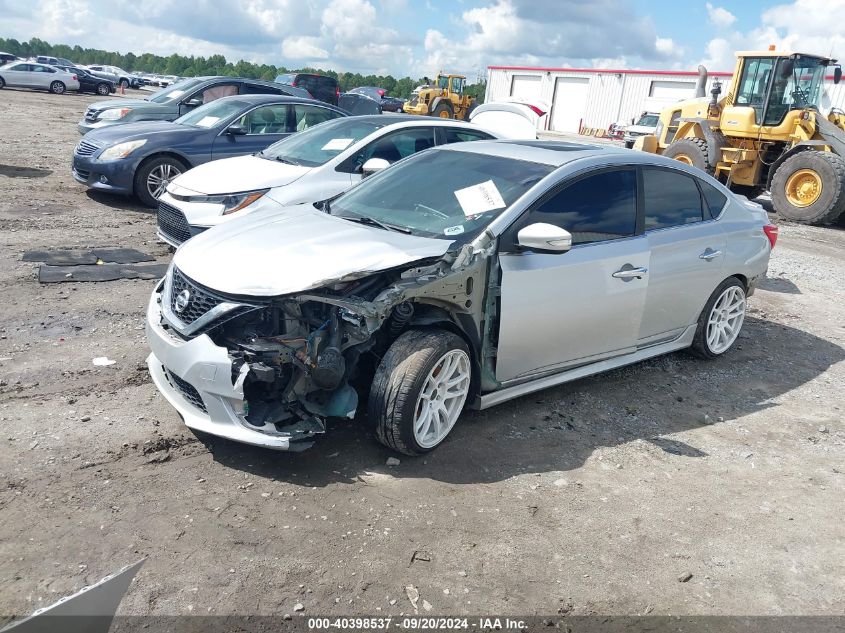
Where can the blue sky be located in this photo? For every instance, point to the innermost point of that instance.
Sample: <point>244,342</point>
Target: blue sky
<point>419,37</point>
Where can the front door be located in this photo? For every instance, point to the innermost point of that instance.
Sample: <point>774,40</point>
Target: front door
<point>560,310</point>
<point>263,126</point>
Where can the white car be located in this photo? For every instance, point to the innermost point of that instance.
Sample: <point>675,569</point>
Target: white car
<point>32,75</point>
<point>310,166</point>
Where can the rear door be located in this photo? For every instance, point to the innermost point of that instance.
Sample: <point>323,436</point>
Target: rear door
<point>687,253</point>
<point>559,310</point>
<point>264,126</point>
<point>41,76</point>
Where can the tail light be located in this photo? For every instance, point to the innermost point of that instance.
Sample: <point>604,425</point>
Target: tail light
<point>74,78</point>
<point>381,92</point>
<point>536,110</point>
<point>337,91</point>
<point>294,84</point>
<point>771,231</point>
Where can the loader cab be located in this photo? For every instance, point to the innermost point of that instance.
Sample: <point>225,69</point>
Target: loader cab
<point>769,87</point>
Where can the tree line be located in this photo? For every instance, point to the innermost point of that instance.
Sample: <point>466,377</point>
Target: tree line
<point>192,66</point>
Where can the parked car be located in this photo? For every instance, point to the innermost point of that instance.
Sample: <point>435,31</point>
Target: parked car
<point>315,165</point>
<point>53,61</point>
<point>125,79</point>
<point>646,124</point>
<point>319,87</point>
<point>468,274</point>
<point>39,76</point>
<point>388,104</point>
<point>142,158</point>
<point>171,103</point>
<point>88,82</point>
<point>5,58</point>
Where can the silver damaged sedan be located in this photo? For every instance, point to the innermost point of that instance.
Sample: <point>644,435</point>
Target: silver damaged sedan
<point>465,275</point>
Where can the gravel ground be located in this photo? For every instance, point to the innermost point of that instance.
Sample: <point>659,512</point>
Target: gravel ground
<point>601,496</point>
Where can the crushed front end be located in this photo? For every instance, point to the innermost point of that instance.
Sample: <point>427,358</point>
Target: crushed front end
<point>264,372</point>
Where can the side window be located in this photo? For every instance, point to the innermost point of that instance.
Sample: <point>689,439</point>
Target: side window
<point>21,68</point>
<point>595,208</point>
<point>714,199</point>
<point>306,116</point>
<point>258,89</point>
<point>397,145</point>
<point>271,119</point>
<point>671,199</point>
<point>216,92</point>
<point>462,136</point>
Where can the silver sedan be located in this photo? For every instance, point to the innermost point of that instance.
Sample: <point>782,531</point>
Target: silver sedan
<point>40,76</point>
<point>467,274</point>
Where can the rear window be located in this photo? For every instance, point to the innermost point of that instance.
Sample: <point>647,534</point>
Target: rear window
<point>714,198</point>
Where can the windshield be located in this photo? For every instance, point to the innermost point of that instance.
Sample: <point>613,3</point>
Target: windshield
<point>174,92</point>
<point>648,120</point>
<point>804,84</point>
<point>447,194</point>
<point>286,79</point>
<point>210,114</point>
<point>319,144</point>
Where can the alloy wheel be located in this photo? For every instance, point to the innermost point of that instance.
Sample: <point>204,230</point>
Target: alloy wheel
<point>725,319</point>
<point>160,177</point>
<point>442,398</point>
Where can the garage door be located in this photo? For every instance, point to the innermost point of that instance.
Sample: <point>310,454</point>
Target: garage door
<point>672,90</point>
<point>525,87</point>
<point>570,103</point>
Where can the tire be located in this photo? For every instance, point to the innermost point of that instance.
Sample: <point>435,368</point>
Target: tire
<point>818,178</point>
<point>154,171</point>
<point>443,110</point>
<point>749,191</point>
<point>692,151</point>
<point>629,144</point>
<point>124,83</point>
<point>470,110</point>
<point>715,321</point>
<point>2,83</point>
<point>397,403</point>
<point>102,90</point>
<point>57,88</point>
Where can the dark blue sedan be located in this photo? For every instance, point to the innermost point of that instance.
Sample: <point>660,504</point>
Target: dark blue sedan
<point>142,158</point>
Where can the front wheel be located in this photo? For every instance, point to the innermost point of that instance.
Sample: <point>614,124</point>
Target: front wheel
<point>721,320</point>
<point>419,390</point>
<point>153,176</point>
<point>103,90</point>
<point>124,84</point>
<point>2,83</point>
<point>691,151</point>
<point>57,88</point>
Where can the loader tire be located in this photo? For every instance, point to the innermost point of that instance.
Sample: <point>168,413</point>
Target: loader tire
<point>691,151</point>
<point>443,110</point>
<point>809,188</point>
<point>749,191</point>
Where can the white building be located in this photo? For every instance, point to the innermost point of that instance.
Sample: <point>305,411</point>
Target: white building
<point>581,98</point>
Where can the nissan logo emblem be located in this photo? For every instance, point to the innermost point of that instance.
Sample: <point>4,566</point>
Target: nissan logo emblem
<point>182,300</point>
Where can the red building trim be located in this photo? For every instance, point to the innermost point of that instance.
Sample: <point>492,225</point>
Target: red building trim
<point>612,71</point>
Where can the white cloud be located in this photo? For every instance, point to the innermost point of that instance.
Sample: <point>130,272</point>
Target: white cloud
<point>303,47</point>
<point>720,16</point>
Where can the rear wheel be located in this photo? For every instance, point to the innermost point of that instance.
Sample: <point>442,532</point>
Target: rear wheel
<point>57,88</point>
<point>124,83</point>
<point>2,83</point>
<point>419,390</point>
<point>470,110</point>
<point>153,176</point>
<point>443,110</point>
<point>691,151</point>
<point>103,90</point>
<point>721,320</point>
<point>810,187</point>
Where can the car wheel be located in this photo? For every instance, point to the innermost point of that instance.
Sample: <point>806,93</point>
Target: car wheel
<point>103,89</point>
<point>443,110</point>
<point>810,187</point>
<point>419,390</point>
<point>721,320</point>
<point>153,176</point>
<point>57,88</point>
<point>629,144</point>
<point>2,83</point>
<point>124,84</point>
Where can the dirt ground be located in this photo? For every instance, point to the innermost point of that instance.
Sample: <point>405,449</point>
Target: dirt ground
<point>598,497</point>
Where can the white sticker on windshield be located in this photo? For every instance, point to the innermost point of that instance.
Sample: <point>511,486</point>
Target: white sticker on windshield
<point>480,198</point>
<point>453,230</point>
<point>337,144</point>
<point>208,121</point>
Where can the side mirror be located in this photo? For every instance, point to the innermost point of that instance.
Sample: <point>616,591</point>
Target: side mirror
<point>373,165</point>
<point>837,74</point>
<point>786,67</point>
<point>236,130</point>
<point>544,237</point>
<point>193,103</point>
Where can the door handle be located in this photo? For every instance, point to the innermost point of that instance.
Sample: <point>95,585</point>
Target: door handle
<point>630,273</point>
<point>709,254</point>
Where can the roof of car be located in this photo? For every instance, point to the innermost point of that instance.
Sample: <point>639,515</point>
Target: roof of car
<point>286,98</point>
<point>383,120</point>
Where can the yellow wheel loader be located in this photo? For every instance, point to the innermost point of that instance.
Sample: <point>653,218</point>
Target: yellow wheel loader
<point>444,98</point>
<point>766,132</point>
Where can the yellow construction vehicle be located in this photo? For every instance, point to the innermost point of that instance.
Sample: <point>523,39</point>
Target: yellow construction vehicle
<point>443,98</point>
<point>766,132</point>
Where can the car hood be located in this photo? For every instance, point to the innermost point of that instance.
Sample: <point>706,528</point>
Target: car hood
<point>230,175</point>
<point>295,249</point>
<point>142,129</point>
<point>641,129</point>
<point>110,104</point>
